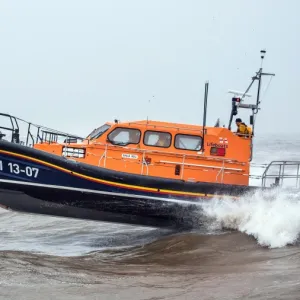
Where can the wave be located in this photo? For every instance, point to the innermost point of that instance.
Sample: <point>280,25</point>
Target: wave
<point>272,217</point>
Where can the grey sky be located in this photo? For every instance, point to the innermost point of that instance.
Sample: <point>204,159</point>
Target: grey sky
<point>73,65</point>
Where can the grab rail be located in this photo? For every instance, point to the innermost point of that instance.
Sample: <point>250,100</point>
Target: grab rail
<point>34,133</point>
<point>279,172</point>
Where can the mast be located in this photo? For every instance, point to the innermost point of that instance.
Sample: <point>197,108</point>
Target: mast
<point>204,113</point>
<point>237,101</point>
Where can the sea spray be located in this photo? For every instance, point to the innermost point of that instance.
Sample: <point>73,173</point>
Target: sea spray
<point>272,217</point>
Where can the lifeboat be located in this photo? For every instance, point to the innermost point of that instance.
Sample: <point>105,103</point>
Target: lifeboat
<point>146,172</point>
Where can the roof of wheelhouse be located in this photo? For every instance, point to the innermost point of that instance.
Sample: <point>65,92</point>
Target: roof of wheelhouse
<point>164,126</point>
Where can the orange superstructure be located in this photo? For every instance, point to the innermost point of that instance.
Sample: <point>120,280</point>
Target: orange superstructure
<point>162,149</point>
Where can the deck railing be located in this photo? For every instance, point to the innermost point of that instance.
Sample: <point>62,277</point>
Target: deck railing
<point>28,134</point>
<point>279,173</point>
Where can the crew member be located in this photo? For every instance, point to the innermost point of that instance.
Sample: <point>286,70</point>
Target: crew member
<point>242,128</point>
<point>163,140</point>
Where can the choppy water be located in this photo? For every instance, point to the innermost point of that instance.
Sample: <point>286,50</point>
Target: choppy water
<point>246,250</point>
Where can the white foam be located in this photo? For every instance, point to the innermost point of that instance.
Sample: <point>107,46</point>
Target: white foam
<point>272,217</point>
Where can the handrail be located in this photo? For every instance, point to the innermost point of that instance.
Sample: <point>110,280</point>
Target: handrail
<point>198,165</point>
<point>280,173</point>
<point>183,163</point>
<point>179,154</point>
<point>104,155</point>
<point>221,172</point>
<point>53,134</point>
<point>48,129</point>
<point>144,162</point>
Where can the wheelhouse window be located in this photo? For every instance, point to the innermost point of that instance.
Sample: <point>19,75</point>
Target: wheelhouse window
<point>188,142</point>
<point>124,136</point>
<point>157,139</point>
<point>98,131</point>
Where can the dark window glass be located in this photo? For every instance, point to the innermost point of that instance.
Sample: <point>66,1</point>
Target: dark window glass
<point>188,142</point>
<point>98,131</point>
<point>124,136</point>
<point>157,139</point>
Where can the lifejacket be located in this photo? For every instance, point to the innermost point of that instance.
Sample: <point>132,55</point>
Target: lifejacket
<point>244,130</point>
